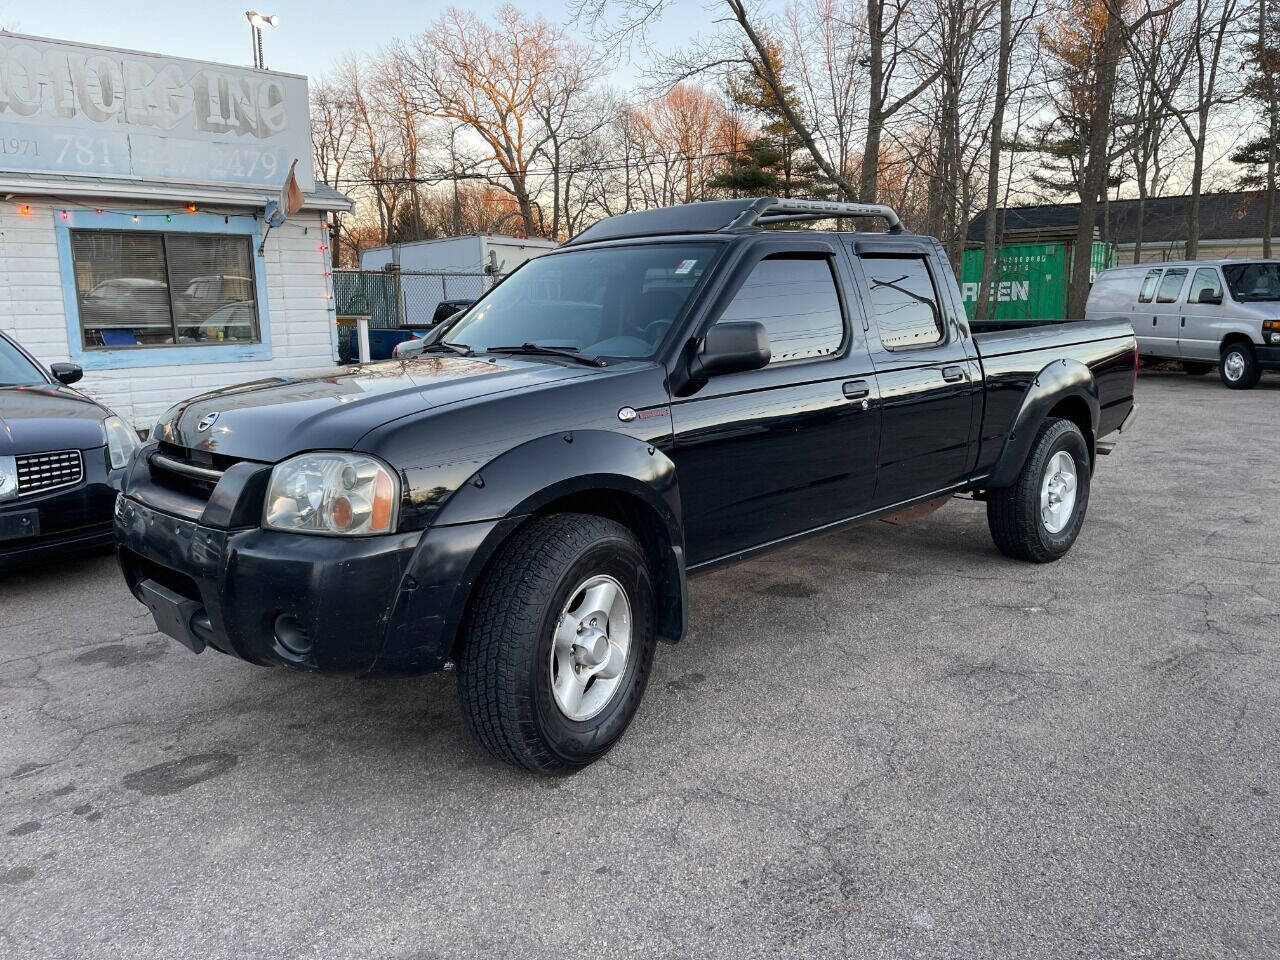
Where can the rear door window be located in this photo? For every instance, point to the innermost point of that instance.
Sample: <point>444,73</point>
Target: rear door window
<point>1148,291</point>
<point>905,302</point>
<point>1171,285</point>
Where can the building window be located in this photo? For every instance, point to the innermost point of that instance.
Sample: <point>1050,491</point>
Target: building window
<point>143,289</point>
<point>904,301</point>
<point>796,300</point>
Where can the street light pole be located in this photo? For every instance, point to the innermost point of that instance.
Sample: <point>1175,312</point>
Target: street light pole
<point>256,22</point>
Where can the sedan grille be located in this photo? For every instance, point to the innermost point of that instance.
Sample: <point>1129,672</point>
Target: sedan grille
<point>38,472</point>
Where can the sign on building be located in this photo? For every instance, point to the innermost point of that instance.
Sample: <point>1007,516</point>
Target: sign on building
<point>70,108</point>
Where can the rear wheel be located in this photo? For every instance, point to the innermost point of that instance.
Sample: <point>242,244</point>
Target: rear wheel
<point>1240,370</point>
<point>1039,517</point>
<point>558,643</point>
<point>1196,368</point>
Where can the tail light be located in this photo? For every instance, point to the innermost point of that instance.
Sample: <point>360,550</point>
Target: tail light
<point>1137,362</point>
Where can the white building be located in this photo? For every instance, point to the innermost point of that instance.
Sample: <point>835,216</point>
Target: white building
<point>133,238</point>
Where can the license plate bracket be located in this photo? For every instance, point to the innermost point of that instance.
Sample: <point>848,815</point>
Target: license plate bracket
<point>172,613</point>
<point>19,525</point>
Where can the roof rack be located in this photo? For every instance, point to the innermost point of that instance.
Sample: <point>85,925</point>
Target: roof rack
<point>717,216</point>
<point>768,210</point>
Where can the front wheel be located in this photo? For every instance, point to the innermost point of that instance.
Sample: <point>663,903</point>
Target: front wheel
<point>1039,517</point>
<point>1240,370</point>
<point>558,643</point>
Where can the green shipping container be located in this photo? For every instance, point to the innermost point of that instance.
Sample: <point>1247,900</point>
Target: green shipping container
<point>1030,279</point>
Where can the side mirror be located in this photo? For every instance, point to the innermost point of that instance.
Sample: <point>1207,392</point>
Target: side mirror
<point>731,347</point>
<point>1208,296</point>
<point>67,373</point>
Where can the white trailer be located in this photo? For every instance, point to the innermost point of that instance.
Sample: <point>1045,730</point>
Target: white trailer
<point>479,253</point>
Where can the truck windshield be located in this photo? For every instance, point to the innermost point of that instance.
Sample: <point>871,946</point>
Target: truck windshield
<point>1250,282</point>
<point>612,302</point>
<point>15,369</point>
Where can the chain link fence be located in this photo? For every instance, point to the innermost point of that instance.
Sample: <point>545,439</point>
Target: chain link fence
<point>393,299</point>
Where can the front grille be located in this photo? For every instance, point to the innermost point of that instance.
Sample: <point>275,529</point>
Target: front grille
<point>38,472</point>
<point>195,472</point>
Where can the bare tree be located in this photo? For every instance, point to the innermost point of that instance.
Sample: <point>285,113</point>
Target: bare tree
<point>993,163</point>
<point>490,79</point>
<point>335,132</point>
<point>1208,35</point>
<point>882,64</point>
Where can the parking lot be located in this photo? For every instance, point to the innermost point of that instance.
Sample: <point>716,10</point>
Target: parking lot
<point>887,742</point>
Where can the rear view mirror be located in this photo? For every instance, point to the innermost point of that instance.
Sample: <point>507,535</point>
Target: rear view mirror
<point>1208,296</point>
<point>731,347</point>
<point>67,373</point>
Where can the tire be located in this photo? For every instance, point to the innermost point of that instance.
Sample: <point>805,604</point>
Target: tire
<point>510,666</point>
<point>1196,368</point>
<point>1014,514</point>
<point>1239,369</point>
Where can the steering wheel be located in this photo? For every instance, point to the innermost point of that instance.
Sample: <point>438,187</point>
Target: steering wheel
<point>655,331</point>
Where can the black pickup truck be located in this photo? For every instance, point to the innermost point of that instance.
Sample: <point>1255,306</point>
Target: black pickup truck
<point>669,390</point>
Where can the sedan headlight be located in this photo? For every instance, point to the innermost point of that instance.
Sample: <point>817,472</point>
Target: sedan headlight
<point>121,441</point>
<point>338,494</point>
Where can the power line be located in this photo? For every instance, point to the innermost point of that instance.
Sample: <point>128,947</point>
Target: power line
<point>604,166</point>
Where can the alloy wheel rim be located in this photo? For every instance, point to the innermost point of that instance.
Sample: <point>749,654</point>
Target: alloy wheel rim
<point>1058,492</point>
<point>590,647</point>
<point>1233,365</point>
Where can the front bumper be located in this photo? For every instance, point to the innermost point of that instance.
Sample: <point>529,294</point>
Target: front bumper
<point>1268,357</point>
<point>65,521</point>
<point>384,604</point>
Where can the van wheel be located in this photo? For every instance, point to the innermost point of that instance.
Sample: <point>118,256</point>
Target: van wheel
<point>557,643</point>
<point>1039,517</point>
<point>1196,368</point>
<point>1240,370</point>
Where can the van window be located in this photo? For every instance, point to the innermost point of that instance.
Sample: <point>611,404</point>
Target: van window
<point>1149,286</point>
<point>1171,285</point>
<point>1206,278</point>
<point>904,300</point>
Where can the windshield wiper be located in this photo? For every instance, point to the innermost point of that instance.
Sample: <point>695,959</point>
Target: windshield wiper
<point>569,353</point>
<point>459,348</point>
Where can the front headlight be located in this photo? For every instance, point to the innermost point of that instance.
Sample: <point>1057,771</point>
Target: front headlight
<point>121,441</point>
<point>343,494</point>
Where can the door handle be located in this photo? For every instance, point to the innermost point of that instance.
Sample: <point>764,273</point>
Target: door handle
<point>1153,320</point>
<point>855,389</point>
<point>1184,322</point>
<point>953,374</point>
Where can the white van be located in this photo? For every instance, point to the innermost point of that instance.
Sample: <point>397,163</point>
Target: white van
<point>1202,312</point>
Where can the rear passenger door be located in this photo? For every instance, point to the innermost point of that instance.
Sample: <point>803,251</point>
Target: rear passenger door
<point>1166,315</point>
<point>764,454</point>
<point>1144,312</point>
<point>930,382</point>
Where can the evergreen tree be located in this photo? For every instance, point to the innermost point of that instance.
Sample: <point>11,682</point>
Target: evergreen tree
<point>774,162</point>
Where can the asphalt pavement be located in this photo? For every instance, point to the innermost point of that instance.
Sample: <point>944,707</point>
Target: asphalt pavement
<point>890,741</point>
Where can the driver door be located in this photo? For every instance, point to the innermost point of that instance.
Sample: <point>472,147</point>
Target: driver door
<point>765,454</point>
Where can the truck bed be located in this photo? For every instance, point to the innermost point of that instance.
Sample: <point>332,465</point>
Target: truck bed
<point>998,337</point>
<point>1013,357</point>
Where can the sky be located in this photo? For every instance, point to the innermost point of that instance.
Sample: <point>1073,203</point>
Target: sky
<point>311,36</point>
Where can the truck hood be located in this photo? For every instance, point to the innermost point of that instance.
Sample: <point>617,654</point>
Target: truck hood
<point>269,420</point>
<point>48,417</point>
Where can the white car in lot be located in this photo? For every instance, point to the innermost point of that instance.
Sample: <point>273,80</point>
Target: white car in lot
<point>1202,312</point>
